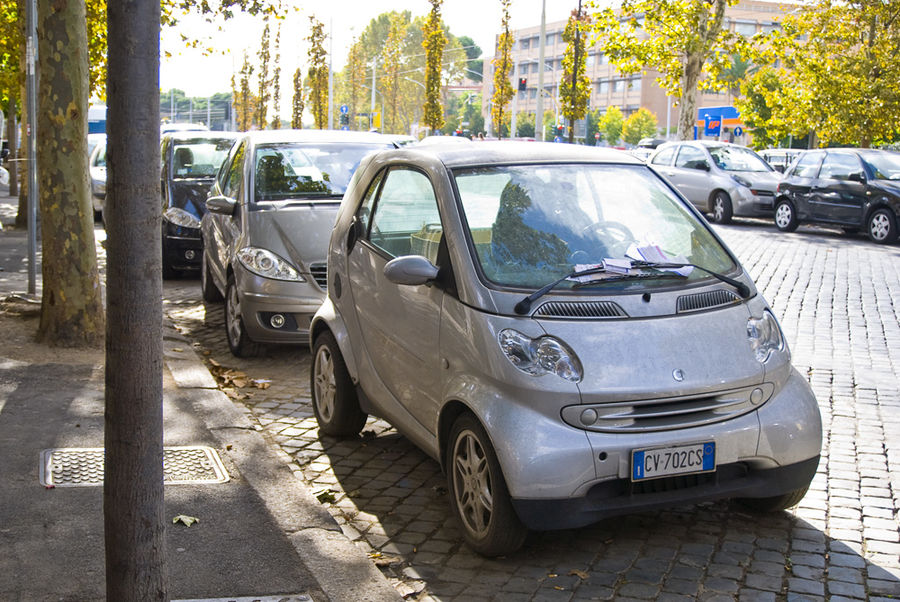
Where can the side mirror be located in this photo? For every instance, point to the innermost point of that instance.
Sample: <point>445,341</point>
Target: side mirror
<point>353,233</point>
<point>410,269</point>
<point>857,177</point>
<point>703,165</point>
<point>221,205</point>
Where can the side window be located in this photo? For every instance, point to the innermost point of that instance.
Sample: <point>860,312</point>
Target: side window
<point>808,165</point>
<point>406,220</point>
<point>664,157</point>
<point>839,166</point>
<point>364,212</point>
<point>691,158</point>
<point>233,175</point>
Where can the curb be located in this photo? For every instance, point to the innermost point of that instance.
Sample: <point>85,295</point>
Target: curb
<point>342,570</point>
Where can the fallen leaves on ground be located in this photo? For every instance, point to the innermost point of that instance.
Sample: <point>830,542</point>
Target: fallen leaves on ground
<point>185,520</point>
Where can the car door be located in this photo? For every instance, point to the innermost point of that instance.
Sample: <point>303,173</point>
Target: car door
<point>839,193</point>
<point>400,324</point>
<point>225,229</point>
<point>691,175</point>
<point>800,181</point>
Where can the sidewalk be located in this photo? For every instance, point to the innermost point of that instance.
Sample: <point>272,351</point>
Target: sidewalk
<point>261,534</point>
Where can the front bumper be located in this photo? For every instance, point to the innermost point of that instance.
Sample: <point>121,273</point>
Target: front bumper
<point>262,299</point>
<point>182,247</point>
<point>748,204</point>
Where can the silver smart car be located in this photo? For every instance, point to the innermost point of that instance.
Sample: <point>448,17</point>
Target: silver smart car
<point>563,332</point>
<point>265,233</point>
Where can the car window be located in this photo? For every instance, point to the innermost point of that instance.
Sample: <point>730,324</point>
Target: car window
<point>199,158</point>
<point>885,165</point>
<point>691,157</point>
<point>531,225</point>
<point>737,158</point>
<point>233,176</point>
<point>664,157</point>
<point>406,220</point>
<point>840,166</point>
<point>807,166</point>
<point>365,209</point>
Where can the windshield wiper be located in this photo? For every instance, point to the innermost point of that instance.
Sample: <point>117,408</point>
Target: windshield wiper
<point>524,306</point>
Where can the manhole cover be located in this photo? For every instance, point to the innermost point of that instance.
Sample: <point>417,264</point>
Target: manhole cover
<point>74,467</point>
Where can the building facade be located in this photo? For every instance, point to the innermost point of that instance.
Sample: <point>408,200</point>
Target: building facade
<point>608,86</point>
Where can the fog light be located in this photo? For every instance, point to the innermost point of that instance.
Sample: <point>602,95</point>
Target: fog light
<point>190,254</point>
<point>588,417</point>
<point>756,396</point>
<point>277,321</point>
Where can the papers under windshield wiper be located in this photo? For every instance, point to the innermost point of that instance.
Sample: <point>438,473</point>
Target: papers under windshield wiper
<point>640,261</point>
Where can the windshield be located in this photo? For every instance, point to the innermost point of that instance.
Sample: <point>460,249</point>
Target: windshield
<point>885,165</point>
<point>199,158</point>
<point>294,170</point>
<point>533,224</point>
<point>736,158</point>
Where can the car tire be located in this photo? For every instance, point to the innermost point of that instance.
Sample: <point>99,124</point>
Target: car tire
<point>722,211</point>
<point>882,226</point>
<point>334,399</point>
<point>785,216</point>
<point>239,341</point>
<point>775,503</point>
<point>478,493</point>
<point>208,289</point>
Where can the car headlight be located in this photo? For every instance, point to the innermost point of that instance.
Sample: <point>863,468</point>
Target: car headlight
<point>765,336</point>
<point>740,180</point>
<point>267,264</point>
<point>543,355</point>
<point>180,217</point>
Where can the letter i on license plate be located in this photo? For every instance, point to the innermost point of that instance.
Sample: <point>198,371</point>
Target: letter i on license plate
<point>668,461</point>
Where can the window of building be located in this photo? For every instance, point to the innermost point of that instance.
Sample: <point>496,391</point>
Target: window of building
<point>744,28</point>
<point>589,61</point>
<point>634,84</point>
<point>618,85</point>
<point>603,87</point>
<point>525,43</point>
<point>550,40</point>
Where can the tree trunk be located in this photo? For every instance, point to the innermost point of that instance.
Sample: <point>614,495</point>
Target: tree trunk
<point>22,213</point>
<point>133,510</point>
<point>12,135</point>
<point>71,308</point>
<point>687,116</point>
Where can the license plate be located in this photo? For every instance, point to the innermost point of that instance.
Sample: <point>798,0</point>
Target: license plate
<point>668,461</point>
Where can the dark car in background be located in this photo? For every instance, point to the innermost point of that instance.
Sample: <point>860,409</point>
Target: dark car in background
<point>854,189</point>
<point>780,158</point>
<point>271,212</point>
<point>190,161</point>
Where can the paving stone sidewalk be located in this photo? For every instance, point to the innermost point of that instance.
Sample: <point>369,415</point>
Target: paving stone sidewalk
<point>838,299</point>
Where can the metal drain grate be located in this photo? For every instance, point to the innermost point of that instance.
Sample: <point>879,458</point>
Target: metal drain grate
<point>73,467</point>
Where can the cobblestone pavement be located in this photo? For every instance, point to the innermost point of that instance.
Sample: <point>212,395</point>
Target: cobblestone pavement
<point>838,299</point>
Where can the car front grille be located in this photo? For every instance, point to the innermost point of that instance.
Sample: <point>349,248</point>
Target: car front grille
<point>578,309</point>
<point>319,273</point>
<point>701,301</point>
<point>649,415</point>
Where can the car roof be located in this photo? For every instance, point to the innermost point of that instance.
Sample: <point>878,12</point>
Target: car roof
<point>184,135</point>
<point>507,152</point>
<point>320,136</point>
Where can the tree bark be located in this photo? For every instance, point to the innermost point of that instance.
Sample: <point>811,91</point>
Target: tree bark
<point>687,117</point>
<point>71,308</point>
<point>12,136</point>
<point>133,487</point>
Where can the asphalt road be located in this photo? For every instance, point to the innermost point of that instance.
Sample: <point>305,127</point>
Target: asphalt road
<point>838,299</point>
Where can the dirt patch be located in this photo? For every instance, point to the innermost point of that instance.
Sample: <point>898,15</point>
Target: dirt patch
<point>19,324</point>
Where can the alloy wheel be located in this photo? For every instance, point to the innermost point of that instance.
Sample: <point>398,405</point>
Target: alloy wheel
<point>879,226</point>
<point>324,383</point>
<point>472,483</point>
<point>233,315</point>
<point>783,215</point>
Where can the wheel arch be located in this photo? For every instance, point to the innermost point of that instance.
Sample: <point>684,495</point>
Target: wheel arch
<point>449,413</point>
<point>327,319</point>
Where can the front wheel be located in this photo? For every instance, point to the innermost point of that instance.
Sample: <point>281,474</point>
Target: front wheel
<point>478,493</point>
<point>335,403</point>
<point>785,216</point>
<point>208,289</point>
<point>882,226</point>
<point>722,209</point>
<point>239,341</point>
<point>775,503</point>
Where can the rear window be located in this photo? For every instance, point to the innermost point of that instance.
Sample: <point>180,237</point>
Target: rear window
<point>199,158</point>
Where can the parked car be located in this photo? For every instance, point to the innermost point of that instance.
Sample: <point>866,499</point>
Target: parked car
<point>512,309</point>
<point>265,234</point>
<point>97,170</point>
<point>719,178</point>
<point>93,140</point>
<point>780,158</point>
<point>190,161</point>
<point>166,128</point>
<point>856,189</point>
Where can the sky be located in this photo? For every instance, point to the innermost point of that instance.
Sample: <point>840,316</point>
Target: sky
<point>202,75</point>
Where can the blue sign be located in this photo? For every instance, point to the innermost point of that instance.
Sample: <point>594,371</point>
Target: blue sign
<point>557,139</point>
<point>345,127</point>
<point>345,109</point>
<point>738,131</point>
<point>712,125</point>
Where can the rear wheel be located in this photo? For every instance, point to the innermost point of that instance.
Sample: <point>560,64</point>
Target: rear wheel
<point>334,399</point>
<point>238,340</point>
<point>775,503</point>
<point>785,216</point>
<point>722,209</point>
<point>882,227</point>
<point>478,493</point>
<point>208,289</point>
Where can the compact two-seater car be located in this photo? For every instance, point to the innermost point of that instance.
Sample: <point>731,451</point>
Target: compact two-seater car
<point>265,234</point>
<point>563,332</point>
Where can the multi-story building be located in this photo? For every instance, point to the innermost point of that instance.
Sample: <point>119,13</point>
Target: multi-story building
<point>608,86</point>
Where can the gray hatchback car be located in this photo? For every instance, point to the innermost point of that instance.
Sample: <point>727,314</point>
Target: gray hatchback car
<point>265,233</point>
<point>563,332</point>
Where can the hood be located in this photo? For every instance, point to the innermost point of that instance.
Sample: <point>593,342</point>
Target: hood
<point>190,195</point>
<point>762,180</point>
<point>296,231</point>
<point>892,187</point>
<point>625,359</point>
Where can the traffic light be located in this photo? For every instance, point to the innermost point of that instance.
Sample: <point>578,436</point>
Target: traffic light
<point>345,119</point>
<point>560,130</point>
<point>523,83</point>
